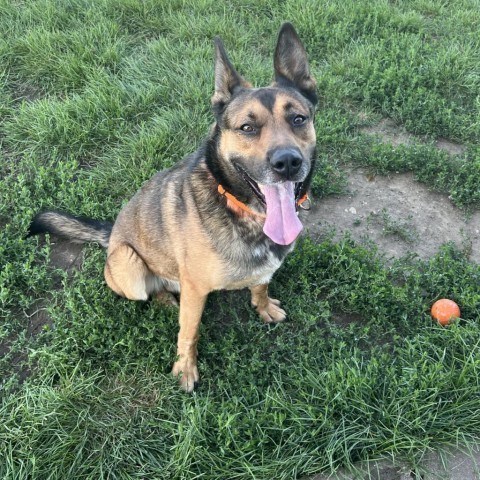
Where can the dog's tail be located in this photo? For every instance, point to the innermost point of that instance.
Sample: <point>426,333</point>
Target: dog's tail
<point>75,229</point>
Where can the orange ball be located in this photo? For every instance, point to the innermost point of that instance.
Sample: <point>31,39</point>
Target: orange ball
<point>445,310</point>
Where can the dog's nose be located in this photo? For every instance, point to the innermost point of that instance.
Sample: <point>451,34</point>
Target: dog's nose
<point>286,162</point>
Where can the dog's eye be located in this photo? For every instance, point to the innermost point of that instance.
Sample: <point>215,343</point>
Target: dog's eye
<point>247,128</point>
<point>299,120</point>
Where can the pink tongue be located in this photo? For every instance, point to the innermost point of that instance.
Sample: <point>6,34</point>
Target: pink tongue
<point>282,224</point>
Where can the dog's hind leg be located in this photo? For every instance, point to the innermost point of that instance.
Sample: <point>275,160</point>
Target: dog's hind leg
<point>126,273</point>
<point>165,297</point>
<point>192,302</point>
<point>268,308</point>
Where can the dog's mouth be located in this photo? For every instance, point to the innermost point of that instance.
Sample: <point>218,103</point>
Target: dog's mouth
<point>281,223</point>
<point>254,186</point>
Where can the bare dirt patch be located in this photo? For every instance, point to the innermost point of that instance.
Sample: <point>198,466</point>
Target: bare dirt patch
<point>66,255</point>
<point>26,92</point>
<point>398,214</point>
<point>389,132</point>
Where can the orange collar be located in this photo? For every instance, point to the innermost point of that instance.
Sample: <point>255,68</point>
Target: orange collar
<point>239,207</point>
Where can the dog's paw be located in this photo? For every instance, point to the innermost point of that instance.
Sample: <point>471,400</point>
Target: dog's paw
<point>271,312</point>
<point>187,373</point>
<point>166,298</point>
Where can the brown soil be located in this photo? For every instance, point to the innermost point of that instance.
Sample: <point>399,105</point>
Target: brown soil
<point>66,255</point>
<point>389,132</point>
<point>398,214</point>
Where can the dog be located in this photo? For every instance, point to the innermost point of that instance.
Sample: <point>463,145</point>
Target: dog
<point>227,215</point>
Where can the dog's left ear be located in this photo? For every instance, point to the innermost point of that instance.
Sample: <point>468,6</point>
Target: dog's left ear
<point>291,64</point>
<point>227,80</point>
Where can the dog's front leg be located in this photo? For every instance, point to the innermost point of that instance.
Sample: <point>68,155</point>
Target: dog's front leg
<point>268,308</point>
<point>192,302</point>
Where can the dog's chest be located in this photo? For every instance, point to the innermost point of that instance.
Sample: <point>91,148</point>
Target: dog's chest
<point>253,265</point>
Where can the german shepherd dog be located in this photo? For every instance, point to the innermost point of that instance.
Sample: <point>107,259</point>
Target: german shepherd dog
<point>226,216</point>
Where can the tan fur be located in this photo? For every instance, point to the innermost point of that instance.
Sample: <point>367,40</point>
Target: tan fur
<point>180,252</point>
<point>275,130</point>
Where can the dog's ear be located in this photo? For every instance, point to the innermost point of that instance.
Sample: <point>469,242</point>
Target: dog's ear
<point>291,63</point>
<point>227,79</point>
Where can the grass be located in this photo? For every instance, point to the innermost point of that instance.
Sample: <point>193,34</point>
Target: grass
<point>96,97</point>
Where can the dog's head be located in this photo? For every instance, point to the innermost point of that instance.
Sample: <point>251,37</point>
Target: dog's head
<point>266,135</point>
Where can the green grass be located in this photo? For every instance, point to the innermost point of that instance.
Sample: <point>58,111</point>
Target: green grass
<point>97,96</point>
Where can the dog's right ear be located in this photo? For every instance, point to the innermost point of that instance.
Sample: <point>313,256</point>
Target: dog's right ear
<point>291,63</point>
<point>227,79</point>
